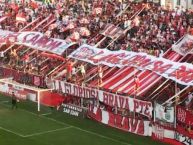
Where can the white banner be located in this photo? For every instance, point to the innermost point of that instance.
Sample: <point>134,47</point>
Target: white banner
<point>121,58</point>
<point>134,105</point>
<point>185,46</point>
<point>37,40</point>
<point>164,113</point>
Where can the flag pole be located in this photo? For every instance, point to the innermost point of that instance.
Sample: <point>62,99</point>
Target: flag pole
<point>135,91</point>
<point>177,97</point>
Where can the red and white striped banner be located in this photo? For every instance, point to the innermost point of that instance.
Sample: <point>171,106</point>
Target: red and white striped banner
<point>121,58</point>
<point>128,124</point>
<point>171,136</point>
<point>162,134</point>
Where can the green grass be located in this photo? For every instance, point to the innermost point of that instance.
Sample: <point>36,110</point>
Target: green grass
<point>25,126</point>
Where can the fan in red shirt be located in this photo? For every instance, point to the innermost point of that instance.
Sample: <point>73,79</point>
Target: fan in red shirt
<point>100,74</point>
<point>69,70</point>
<point>137,84</point>
<point>26,59</point>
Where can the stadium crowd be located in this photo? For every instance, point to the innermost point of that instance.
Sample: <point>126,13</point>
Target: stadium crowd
<point>153,30</point>
<point>147,28</point>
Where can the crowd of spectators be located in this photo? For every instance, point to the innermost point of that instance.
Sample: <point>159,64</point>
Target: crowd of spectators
<point>156,30</point>
<point>147,28</point>
<point>153,30</point>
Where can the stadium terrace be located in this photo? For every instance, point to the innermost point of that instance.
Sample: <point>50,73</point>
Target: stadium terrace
<point>125,64</point>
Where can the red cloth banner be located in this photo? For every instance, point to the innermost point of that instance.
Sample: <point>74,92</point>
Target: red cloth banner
<point>22,77</point>
<point>184,116</point>
<point>164,135</point>
<point>136,126</point>
<point>184,131</point>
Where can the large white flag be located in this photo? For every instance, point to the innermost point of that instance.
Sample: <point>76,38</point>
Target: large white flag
<point>164,113</point>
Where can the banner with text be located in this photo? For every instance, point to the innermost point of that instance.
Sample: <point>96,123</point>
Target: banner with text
<point>184,115</point>
<point>171,136</point>
<point>128,124</point>
<point>183,139</point>
<point>163,134</point>
<point>37,40</point>
<point>73,109</point>
<point>179,72</point>
<point>134,105</point>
